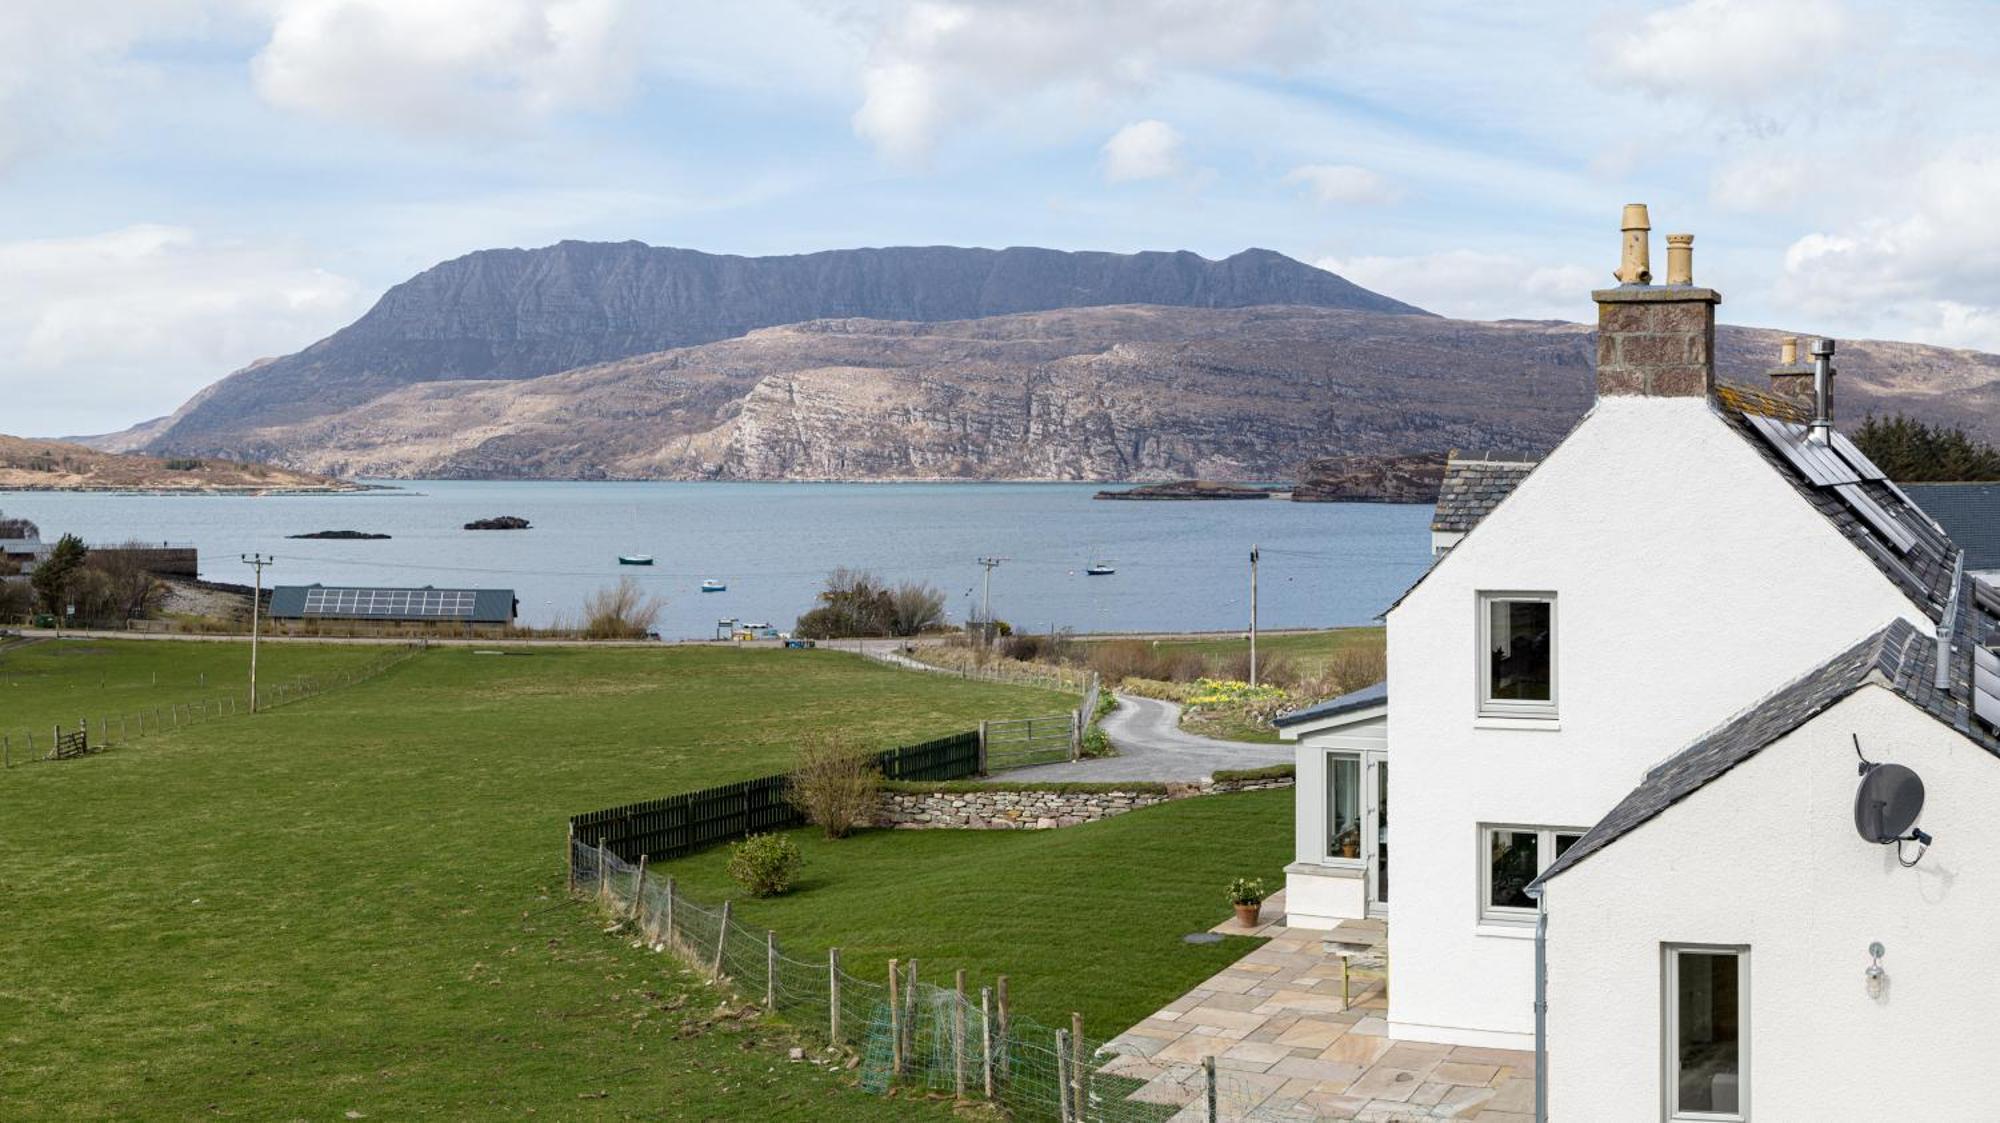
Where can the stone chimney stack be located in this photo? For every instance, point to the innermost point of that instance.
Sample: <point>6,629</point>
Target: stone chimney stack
<point>1655,341</point>
<point>1789,380</point>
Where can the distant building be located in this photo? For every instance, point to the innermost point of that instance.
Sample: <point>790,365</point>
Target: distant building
<point>475,608</point>
<point>1473,485</point>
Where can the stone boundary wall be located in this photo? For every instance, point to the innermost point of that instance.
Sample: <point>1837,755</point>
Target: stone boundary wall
<point>1001,808</point>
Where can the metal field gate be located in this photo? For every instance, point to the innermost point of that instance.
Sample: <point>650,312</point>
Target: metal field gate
<point>1030,740</point>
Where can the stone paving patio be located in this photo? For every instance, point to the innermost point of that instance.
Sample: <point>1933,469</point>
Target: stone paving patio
<point>1286,1048</point>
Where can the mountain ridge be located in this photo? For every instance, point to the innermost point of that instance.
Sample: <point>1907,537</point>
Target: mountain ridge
<point>524,313</point>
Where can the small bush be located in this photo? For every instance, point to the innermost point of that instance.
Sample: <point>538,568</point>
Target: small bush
<point>622,611</point>
<point>1096,744</point>
<point>1352,668</point>
<point>834,785</point>
<point>765,865</point>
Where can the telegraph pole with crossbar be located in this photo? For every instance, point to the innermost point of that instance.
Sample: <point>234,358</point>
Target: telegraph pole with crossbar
<point>986,599</point>
<point>258,562</point>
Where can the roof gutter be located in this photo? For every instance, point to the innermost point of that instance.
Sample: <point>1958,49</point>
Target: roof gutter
<point>1540,893</point>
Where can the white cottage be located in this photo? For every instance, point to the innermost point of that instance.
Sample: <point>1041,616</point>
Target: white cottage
<point>1685,552</point>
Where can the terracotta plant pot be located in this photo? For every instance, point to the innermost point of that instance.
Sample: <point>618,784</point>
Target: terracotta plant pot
<point>1246,915</point>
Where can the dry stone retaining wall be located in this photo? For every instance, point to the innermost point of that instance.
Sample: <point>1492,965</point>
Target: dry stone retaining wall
<point>1000,808</point>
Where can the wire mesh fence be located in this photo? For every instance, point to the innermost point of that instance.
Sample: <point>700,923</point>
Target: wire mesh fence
<point>962,1039</point>
<point>105,729</point>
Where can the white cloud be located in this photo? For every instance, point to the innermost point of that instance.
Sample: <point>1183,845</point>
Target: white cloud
<point>143,316</point>
<point>446,65</point>
<point>1477,285</point>
<point>1142,150</point>
<point>937,63</point>
<point>1762,181</point>
<point>1929,269</point>
<point>1342,183</point>
<point>64,64</point>
<point>1724,50</point>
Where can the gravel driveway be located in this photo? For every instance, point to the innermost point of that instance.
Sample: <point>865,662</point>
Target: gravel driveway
<point>1151,746</point>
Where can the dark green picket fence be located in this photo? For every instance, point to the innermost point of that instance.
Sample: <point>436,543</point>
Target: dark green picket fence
<point>679,825</point>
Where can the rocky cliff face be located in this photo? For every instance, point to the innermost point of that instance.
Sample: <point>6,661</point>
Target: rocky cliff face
<point>1370,479</point>
<point>516,314</point>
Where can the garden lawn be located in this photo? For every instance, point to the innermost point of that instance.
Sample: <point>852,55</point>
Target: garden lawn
<point>1087,918</point>
<point>351,907</point>
<point>63,681</point>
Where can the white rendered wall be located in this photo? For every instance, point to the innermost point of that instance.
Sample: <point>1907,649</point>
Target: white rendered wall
<point>1767,856</point>
<point>1319,892</point>
<point>1690,581</point>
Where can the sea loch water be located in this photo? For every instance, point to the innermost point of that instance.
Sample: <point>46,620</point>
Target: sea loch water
<point>1182,566</point>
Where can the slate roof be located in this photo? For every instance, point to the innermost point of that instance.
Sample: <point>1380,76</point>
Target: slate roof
<point>1899,657</point>
<point>1924,574</point>
<point>1365,698</point>
<point>1474,485</point>
<point>1970,512</point>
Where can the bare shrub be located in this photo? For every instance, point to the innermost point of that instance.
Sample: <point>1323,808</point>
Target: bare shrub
<point>16,599</point>
<point>834,785</point>
<point>1117,660</point>
<point>1039,647</point>
<point>1352,668</point>
<point>915,608</point>
<point>622,611</point>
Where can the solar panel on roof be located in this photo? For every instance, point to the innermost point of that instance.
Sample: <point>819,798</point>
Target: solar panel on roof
<point>1855,458</point>
<point>1818,462</point>
<point>1986,687</point>
<point>1876,516</point>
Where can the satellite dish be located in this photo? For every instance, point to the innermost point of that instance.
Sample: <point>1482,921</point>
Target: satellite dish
<point>1888,802</point>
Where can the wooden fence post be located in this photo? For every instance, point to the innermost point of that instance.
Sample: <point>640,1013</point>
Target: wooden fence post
<point>1006,1041</point>
<point>770,971</point>
<point>1062,1076</point>
<point>721,940</point>
<point>833,995</point>
<point>569,858</point>
<point>1208,1084</point>
<point>895,1022</point>
<point>986,1039</point>
<point>910,1008</point>
<point>1079,1077</point>
<point>603,879</point>
<point>1076,735</point>
<point>673,937</point>
<point>639,896</point>
<point>982,747</point>
<point>958,1034</point>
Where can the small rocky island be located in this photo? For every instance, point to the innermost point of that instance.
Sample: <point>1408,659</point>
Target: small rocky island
<point>503,522</point>
<point>341,535</point>
<point>1187,489</point>
<point>1410,478</point>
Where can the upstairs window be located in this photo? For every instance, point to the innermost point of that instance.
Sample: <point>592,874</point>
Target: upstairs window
<point>1517,669</point>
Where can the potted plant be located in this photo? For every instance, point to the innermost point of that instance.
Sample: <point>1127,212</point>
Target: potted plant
<point>1247,894</point>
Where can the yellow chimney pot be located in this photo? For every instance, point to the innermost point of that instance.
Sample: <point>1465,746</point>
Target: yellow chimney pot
<point>1680,259</point>
<point>1635,265</point>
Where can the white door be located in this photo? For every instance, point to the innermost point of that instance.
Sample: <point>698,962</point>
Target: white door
<point>1378,833</point>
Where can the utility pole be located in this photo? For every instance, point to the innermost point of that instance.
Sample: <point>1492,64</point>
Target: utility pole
<point>986,599</point>
<point>1253,615</point>
<point>258,562</point>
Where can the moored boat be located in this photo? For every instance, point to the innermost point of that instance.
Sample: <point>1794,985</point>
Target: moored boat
<point>635,559</point>
<point>713,586</point>
<point>1099,569</point>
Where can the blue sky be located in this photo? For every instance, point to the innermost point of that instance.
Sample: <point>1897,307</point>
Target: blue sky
<point>188,185</point>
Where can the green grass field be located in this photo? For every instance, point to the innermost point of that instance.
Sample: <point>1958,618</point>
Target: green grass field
<point>353,904</point>
<point>1310,651</point>
<point>1086,919</point>
<point>64,681</point>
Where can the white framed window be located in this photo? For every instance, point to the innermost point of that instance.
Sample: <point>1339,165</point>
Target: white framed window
<point>1343,808</point>
<point>1517,655</point>
<point>1511,856</point>
<point>1705,1016</point>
